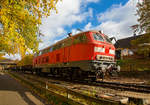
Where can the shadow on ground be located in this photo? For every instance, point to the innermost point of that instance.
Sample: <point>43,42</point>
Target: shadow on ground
<point>9,84</point>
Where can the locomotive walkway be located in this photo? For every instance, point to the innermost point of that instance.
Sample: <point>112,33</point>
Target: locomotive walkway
<point>13,93</point>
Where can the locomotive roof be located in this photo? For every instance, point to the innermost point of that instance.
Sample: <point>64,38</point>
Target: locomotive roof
<point>70,37</point>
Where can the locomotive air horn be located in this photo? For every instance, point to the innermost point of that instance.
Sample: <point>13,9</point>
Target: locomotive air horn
<point>70,34</point>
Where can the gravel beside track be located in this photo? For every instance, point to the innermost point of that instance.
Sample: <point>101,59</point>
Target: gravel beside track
<point>65,91</point>
<point>108,90</point>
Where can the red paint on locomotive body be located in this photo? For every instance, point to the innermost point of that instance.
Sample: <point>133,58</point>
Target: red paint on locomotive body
<point>83,50</point>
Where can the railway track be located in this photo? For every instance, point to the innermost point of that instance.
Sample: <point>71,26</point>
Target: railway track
<point>65,92</point>
<point>112,85</point>
<point>118,86</point>
<point>134,87</point>
<point>138,88</point>
<point>123,86</point>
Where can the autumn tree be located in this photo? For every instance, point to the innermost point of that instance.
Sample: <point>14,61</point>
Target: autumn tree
<point>142,45</point>
<point>142,42</point>
<point>19,24</point>
<point>1,56</point>
<point>143,11</point>
<point>26,60</point>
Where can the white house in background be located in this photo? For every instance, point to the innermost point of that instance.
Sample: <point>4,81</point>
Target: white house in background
<point>123,46</point>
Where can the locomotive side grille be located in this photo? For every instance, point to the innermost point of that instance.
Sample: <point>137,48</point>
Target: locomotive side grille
<point>106,58</point>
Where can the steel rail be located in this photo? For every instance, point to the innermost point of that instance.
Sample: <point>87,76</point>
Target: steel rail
<point>112,85</point>
<point>71,92</point>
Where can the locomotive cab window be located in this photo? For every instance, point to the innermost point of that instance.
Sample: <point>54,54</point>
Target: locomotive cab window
<point>97,37</point>
<point>107,39</point>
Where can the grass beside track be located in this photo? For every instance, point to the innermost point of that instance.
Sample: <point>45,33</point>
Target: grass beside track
<point>50,97</point>
<point>134,64</point>
<point>56,95</point>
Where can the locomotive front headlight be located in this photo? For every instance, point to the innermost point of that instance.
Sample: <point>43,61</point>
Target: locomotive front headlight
<point>112,52</point>
<point>99,49</point>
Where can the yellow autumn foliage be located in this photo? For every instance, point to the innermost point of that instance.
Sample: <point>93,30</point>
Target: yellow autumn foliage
<point>19,24</point>
<point>26,60</point>
<point>1,57</point>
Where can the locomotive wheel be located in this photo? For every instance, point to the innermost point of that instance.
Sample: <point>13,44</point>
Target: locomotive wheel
<point>102,76</point>
<point>75,74</point>
<point>93,79</point>
<point>44,74</point>
<point>80,75</point>
<point>56,72</point>
<point>64,73</point>
<point>114,73</point>
<point>61,73</point>
<point>71,74</point>
<point>38,71</point>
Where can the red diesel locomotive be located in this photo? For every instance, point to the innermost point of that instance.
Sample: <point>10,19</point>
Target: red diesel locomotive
<point>85,55</point>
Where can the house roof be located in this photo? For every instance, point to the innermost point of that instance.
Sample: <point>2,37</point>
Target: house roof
<point>126,42</point>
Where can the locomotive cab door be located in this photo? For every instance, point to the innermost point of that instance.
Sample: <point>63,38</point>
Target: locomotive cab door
<point>66,54</point>
<point>67,45</point>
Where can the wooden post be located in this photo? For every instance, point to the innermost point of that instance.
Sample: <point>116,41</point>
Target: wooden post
<point>46,86</point>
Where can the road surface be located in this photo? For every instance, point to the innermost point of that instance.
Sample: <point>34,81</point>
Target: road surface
<point>13,93</point>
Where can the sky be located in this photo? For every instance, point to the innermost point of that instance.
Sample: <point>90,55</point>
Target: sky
<point>112,17</point>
